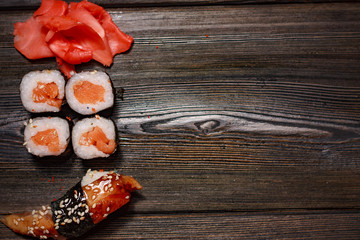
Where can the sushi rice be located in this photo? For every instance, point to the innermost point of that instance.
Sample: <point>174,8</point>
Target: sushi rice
<point>41,125</point>
<point>87,125</point>
<point>88,104</point>
<point>30,82</point>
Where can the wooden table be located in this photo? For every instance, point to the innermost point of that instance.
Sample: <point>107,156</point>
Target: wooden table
<point>241,119</point>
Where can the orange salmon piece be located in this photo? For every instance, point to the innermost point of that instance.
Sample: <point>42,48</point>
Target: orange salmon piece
<point>49,138</point>
<point>47,93</point>
<point>98,138</point>
<point>89,93</point>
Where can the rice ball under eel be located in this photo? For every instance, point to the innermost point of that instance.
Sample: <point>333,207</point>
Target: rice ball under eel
<point>89,92</point>
<point>46,136</point>
<point>42,91</point>
<point>94,137</point>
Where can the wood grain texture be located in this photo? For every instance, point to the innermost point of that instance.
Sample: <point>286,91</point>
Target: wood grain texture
<point>225,110</point>
<point>328,225</point>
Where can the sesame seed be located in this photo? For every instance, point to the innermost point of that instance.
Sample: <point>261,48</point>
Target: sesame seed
<point>18,219</point>
<point>74,219</point>
<point>58,216</point>
<point>127,197</point>
<point>63,223</point>
<point>69,213</point>
<point>36,227</point>
<point>82,218</point>
<point>48,207</point>
<point>69,221</point>
<point>58,220</point>
<point>46,231</point>
<point>36,216</point>
<point>30,121</point>
<point>87,210</point>
<point>106,188</point>
<point>69,209</point>
<point>117,177</point>
<point>22,219</point>
<point>16,222</point>
<point>66,200</point>
<point>105,215</point>
<point>87,188</point>
<point>89,170</point>
<point>111,189</point>
<point>109,177</point>
<point>91,214</point>
<point>56,227</point>
<point>41,213</point>
<point>25,143</point>
<point>25,123</point>
<point>83,205</point>
<point>96,190</point>
<point>108,209</point>
<point>56,224</point>
<point>93,197</point>
<point>40,217</point>
<point>76,207</point>
<point>94,205</point>
<point>42,227</point>
<point>33,212</point>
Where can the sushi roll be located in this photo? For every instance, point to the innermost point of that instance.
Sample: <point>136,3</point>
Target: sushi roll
<point>94,137</point>
<point>46,136</point>
<point>90,201</point>
<point>89,92</point>
<point>42,91</point>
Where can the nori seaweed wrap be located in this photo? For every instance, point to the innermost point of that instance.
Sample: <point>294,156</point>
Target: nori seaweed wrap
<point>71,213</point>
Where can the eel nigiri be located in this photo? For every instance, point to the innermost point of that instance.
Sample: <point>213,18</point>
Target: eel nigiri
<point>90,201</point>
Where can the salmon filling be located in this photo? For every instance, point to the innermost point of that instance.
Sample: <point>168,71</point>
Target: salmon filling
<point>97,138</point>
<point>49,138</point>
<point>89,93</point>
<point>47,93</point>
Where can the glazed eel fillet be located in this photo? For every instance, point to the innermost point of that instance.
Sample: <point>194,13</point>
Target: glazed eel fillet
<point>90,201</point>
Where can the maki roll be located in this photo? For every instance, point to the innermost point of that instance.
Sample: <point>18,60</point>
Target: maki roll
<point>94,137</point>
<point>90,201</point>
<point>46,136</point>
<point>89,92</point>
<point>42,91</point>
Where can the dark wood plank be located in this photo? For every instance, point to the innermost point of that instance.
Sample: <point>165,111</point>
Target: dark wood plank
<point>225,109</point>
<point>262,113</point>
<point>328,225</point>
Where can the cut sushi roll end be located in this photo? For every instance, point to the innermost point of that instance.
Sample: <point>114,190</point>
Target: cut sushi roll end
<point>42,91</point>
<point>89,92</point>
<point>94,137</point>
<point>46,136</point>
